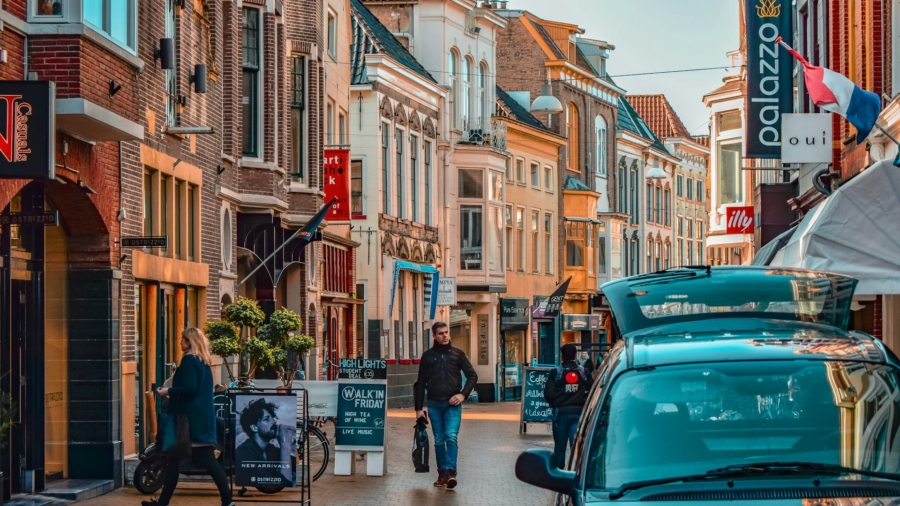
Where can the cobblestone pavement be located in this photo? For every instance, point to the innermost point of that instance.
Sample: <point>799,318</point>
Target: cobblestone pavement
<point>489,445</point>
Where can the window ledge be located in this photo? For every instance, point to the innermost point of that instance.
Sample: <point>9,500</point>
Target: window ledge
<point>227,275</point>
<point>253,164</point>
<point>228,158</point>
<point>61,27</point>
<point>297,188</point>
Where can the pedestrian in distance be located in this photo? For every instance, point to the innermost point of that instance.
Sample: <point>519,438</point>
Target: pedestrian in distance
<point>566,391</point>
<point>191,395</point>
<point>440,376</point>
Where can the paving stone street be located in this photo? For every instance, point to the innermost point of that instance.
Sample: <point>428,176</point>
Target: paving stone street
<point>489,444</point>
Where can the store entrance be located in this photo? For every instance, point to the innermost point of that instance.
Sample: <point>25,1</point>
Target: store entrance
<point>512,345</point>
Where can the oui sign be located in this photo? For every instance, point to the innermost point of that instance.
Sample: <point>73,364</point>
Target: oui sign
<point>806,138</point>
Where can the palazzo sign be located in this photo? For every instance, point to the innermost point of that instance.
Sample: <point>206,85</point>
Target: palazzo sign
<point>27,129</point>
<point>769,76</point>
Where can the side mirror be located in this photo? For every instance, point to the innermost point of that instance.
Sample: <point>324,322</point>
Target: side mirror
<point>535,467</point>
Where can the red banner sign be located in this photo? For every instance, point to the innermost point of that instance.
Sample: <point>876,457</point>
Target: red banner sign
<point>337,183</point>
<point>740,220</point>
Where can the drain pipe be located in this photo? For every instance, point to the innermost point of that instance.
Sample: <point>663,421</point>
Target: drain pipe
<point>817,182</point>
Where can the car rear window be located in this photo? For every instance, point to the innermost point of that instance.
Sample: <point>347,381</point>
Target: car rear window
<point>694,294</point>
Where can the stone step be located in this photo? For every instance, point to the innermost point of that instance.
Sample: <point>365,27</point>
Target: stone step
<point>36,500</point>
<point>78,490</point>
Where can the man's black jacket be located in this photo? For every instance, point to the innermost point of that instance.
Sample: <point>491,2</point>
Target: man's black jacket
<point>570,391</point>
<point>439,374</point>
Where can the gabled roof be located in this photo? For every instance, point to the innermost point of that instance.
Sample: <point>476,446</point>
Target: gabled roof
<point>659,115</point>
<point>545,36</point>
<point>517,112</point>
<point>630,121</point>
<point>371,37</point>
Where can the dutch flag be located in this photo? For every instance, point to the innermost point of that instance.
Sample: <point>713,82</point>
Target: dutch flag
<point>834,92</point>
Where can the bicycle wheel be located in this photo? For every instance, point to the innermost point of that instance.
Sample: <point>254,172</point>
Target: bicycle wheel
<point>319,452</point>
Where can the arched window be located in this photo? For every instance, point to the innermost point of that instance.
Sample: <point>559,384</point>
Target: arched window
<point>658,262</point>
<point>623,191</point>
<point>467,92</point>
<point>668,254</point>
<point>649,255</point>
<point>668,207</point>
<point>600,156</point>
<point>635,204</point>
<point>659,205</point>
<point>625,248</point>
<point>649,203</point>
<point>572,137</point>
<point>452,69</point>
<point>483,108</point>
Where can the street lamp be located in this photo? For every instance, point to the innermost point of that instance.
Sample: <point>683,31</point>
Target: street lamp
<point>546,102</point>
<point>655,173</point>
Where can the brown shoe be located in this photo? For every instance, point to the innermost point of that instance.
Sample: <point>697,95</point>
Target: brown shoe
<point>451,478</point>
<point>442,478</point>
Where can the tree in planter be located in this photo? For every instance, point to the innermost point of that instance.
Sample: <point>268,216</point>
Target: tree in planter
<point>246,315</point>
<point>224,342</point>
<point>283,328</point>
<point>258,354</point>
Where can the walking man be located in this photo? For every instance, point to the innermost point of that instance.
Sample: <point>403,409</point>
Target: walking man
<point>439,375</point>
<point>566,391</point>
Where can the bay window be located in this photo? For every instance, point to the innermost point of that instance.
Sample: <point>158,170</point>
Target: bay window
<point>115,19</point>
<point>471,184</point>
<point>575,243</point>
<point>731,188</point>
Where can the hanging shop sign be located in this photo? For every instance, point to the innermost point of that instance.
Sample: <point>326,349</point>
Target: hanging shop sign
<point>514,314</point>
<point>336,172</point>
<point>145,242</point>
<point>549,307</point>
<point>806,138</point>
<point>581,322</point>
<point>27,129</point>
<point>33,219</point>
<point>739,220</point>
<point>446,295</point>
<point>362,368</point>
<point>769,76</point>
<point>362,411</point>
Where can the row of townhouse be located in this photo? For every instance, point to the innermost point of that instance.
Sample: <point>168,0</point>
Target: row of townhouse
<point>798,222</point>
<point>200,121</point>
<point>455,175</point>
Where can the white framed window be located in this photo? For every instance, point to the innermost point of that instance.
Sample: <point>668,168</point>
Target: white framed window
<point>548,243</point>
<point>386,168</point>
<point>548,178</point>
<point>332,35</point>
<point>535,240</point>
<point>251,83</point>
<point>690,189</point>
<point>357,186</point>
<point>401,181</point>
<point>114,19</point>
<point>414,176</point>
<point>520,239</point>
<point>483,109</point>
<point>329,123</point>
<point>453,77</point>
<point>471,237</point>
<point>467,92</point>
<point>535,175</point>
<point>600,133</point>
<point>342,129</point>
<point>428,177</point>
<point>520,171</point>
<point>508,241</point>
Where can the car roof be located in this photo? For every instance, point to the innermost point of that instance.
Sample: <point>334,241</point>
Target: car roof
<point>751,340</point>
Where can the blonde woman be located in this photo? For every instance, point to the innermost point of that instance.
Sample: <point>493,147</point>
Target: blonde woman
<point>191,394</point>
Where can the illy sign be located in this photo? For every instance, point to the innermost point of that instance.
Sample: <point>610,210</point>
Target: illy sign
<point>806,138</point>
<point>739,220</point>
<point>769,77</point>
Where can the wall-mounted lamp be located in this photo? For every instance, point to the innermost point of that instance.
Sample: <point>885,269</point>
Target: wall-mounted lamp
<point>198,78</point>
<point>655,173</point>
<point>113,88</point>
<point>166,53</point>
<point>546,102</point>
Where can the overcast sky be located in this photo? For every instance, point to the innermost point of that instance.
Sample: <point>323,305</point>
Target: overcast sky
<point>657,35</point>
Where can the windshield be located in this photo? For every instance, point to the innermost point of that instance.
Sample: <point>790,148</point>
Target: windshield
<point>693,294</point>
<point>687,419</point>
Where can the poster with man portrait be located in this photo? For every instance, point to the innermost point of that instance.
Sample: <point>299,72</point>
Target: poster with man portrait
<point>265,446</point>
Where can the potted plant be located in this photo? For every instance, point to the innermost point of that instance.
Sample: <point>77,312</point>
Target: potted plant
<point>289,345</point>
<point>224,342</point>
<point>258,355</point>
<point>246,315</point>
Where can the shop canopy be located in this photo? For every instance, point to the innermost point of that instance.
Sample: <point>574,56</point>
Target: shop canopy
<point>767,253</point>
<point>855,232</point>
<point>431,283</point>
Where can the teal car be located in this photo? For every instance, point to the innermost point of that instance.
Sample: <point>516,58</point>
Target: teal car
<point>734,384</point>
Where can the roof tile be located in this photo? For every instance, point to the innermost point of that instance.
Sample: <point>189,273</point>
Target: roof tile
<point>659,115</point>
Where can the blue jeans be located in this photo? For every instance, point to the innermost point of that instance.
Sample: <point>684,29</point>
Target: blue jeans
<point>564,427</point>
<point>445,420</point>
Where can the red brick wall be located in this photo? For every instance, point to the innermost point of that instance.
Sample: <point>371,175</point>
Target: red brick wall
<point>15,53</point>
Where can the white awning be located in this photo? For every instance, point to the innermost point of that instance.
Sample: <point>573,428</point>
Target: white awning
<point>855,232</point>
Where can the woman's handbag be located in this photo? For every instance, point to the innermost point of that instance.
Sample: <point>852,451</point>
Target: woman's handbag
<point>174,436</point>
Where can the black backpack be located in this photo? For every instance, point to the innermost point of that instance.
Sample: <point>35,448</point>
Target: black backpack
<point>420,446</point>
